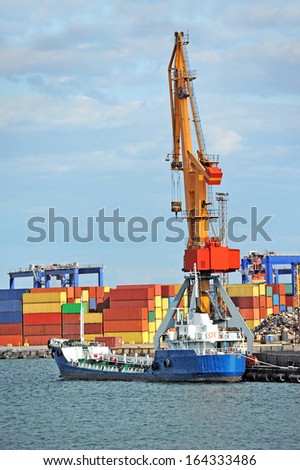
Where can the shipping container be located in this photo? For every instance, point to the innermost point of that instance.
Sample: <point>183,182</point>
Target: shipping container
<point>71,319</point>
<point>10,306</point>
<point>45,307</point>
<point>14,340</point>
<point>42,297</point>
<point>146,303</point>
<point>125,325</point>
<point>131,337</point>
<point>151,316</point>
<point>43,319</point>
<point>11,329</point>
<point>132,294</point>
<point>41,340</point>
<point>12,294</point>
<point>125,314</point>
<point>74,308</point>
<point>11,317</point>
<point>73,329</point>
<point>93,328</point>
<point>110,341</point>
<point>157,287</point>
<point>41,330</point>
<point>93,318</point>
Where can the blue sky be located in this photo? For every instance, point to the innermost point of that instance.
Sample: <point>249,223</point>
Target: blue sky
<point>85,123</point>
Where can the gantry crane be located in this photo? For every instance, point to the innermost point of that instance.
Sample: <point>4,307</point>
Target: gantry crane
<point>204,255</point>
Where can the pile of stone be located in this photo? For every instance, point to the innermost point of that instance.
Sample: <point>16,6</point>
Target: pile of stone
<point>284,326</point>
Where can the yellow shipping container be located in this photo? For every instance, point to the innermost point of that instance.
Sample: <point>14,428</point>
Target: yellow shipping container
<point>243,290</point>
<point>262,289</point>
<point>158,313</point>
<point>131,337</point>
<point>157,301</point>
<point>93,318</point>
<point>51,307</point>
<point>252,323</point>
<point>177,287</point>
<point>150,337</point>
<point>157,324</point>
<point>151,328</point>
<point>43,297</point>
<point>164,303</point>
<point>90,337</point>
<point>84,295</point>
<point>106,289</point>
<point>269,311</point>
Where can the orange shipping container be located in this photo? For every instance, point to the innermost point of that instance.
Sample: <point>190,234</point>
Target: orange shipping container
<point>269,302</point>
<point>127,325</point>
<point>41,290</point>
<point>125,314</point>
<point>110,341</point>
<point>71,318</point>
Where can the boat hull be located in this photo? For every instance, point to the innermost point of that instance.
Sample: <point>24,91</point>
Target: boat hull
<point>168,366</point>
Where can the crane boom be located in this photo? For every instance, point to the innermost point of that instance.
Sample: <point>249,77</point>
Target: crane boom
<point>199,170</point>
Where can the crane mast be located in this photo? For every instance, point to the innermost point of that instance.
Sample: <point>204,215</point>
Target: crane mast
<point>200,171</point>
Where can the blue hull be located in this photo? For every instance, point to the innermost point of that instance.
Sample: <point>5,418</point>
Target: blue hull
<point>168,366</point>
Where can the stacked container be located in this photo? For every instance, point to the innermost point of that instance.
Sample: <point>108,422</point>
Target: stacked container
<point>246,297</point>
<point>42,317</point>
<point>11,331</point>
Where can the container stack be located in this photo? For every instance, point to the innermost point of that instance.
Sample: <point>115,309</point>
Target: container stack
<point>11,329</point>
<point>246,297</point>
<point>42,318</point>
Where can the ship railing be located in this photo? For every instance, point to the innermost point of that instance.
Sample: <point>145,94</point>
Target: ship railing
<point>123,358</point>
<point>228,350</point>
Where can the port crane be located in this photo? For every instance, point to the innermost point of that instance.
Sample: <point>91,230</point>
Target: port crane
<point>205,255</point>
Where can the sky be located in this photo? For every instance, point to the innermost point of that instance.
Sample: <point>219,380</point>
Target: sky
<point>85,126</point>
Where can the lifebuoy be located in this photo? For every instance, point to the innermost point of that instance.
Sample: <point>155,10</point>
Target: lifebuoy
<point>210,335</point>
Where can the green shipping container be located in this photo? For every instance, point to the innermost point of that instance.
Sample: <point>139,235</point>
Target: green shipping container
<point>151,316</point>
<point>74,308</point>
<point>288,289</point>
<point>269,291</point>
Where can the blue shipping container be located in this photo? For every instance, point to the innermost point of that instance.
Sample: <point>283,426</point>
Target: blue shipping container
<point>92,303</point>
<point>10,305</point>
<point>11,317</point>
<point>12,294</point>
<point>275,299</point>
<point>171,300</point>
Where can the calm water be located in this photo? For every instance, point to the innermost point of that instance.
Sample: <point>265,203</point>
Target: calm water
<point>40,411</point>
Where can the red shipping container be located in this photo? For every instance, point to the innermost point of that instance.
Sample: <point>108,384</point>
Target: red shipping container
<point>157,287</point>
<point>289,300</point>
<point>132,294</point>
<point>42,319</point>
<point>250,314</point>
<point>91,328</point>
<point>281,289</point>
<point>262,301</point>
<point>125,314</point>
<point>100,306</point>
<point>275,288</point>
<point>149,304</point>
<point>99,291</point>
<point>276,309</point>
<point>111,342</point>
<point>168,290</point>
<point>92,291</point>
<point>39,340</point>
<point>71,318</point>
<point>126,325</point>
<point>246,302</point>
<point>72,336</point>
<point>15,340</point>
<point>11,329</point>
<point>70,330</point>
<point>263,312</point>
<point>41,330</point>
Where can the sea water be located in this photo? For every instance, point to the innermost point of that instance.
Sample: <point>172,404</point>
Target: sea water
<point>38,410</point>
